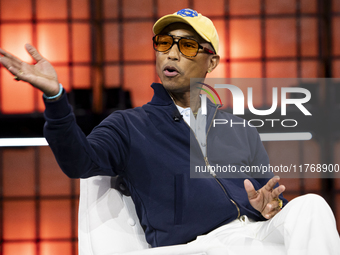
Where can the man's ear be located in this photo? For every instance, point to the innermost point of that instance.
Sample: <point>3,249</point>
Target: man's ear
<point>214,60</point>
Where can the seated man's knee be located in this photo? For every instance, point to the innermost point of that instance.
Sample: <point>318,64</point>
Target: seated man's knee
<point>314,198</point>
<point>311,203</point>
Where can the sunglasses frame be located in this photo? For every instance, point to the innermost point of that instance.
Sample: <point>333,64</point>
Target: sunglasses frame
<point>206,50</point>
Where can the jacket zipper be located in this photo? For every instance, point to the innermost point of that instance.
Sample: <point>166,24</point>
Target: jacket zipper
<point>208,166</point>
<point>218,181</point>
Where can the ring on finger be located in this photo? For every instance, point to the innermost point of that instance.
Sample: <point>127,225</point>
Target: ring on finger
<point>16,78</point>
<point>21,72</point>
<point>279,201</point>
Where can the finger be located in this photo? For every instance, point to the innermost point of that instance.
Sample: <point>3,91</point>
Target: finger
<point>8,64</point>
<point>279,190</point>
<point>16,70</point>
<point>33,52</point>
<point>271,214</point>
<point>271,209</point>
<point>10,58</point>
<point>271,183</point>
<point>3,52</point>
<point>13,66</point>
<point>249,187</point>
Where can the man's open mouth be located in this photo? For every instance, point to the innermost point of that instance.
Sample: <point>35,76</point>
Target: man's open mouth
<point>170,71</point>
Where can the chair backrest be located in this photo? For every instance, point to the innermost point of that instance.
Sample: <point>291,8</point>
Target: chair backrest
<point>107,217</point>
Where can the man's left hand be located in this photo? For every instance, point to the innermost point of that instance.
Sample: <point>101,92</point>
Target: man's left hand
<point>265,200</point>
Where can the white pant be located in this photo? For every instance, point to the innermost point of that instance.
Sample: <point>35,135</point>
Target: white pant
<point>306,225</point>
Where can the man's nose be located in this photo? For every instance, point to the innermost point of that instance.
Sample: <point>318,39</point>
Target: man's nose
<point>174,52</point>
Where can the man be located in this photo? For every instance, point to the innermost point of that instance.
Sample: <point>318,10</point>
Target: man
<point>149,147</point>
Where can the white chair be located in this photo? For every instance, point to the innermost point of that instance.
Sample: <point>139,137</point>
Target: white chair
<point>108,224</point>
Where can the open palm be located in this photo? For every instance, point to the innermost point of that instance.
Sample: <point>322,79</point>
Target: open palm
<point>41,75</point>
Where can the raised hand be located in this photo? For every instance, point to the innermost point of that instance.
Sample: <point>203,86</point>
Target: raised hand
<point>265,200</point>
<point>40,75</point>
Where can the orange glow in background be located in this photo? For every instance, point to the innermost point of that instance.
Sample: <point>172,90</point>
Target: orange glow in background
<point>39,210</point>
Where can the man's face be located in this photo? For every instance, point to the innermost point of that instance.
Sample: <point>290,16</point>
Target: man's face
<point>174,69</point>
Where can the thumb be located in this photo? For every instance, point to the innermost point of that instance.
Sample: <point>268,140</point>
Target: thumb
<point>250,189</point>
<point>33,52</point>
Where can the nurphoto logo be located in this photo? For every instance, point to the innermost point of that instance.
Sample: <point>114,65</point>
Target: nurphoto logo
<point>238,107</point>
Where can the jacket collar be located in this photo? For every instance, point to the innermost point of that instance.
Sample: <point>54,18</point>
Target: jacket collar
<point>160,96</point>
<point>212,109</point>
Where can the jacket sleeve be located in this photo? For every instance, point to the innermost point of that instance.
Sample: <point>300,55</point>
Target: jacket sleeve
<point>103,152</point>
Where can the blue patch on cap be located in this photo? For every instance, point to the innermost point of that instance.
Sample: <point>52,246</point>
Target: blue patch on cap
<point>187,13</point>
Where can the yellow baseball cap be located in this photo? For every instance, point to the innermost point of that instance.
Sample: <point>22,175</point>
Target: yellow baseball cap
<point>202,25</point>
